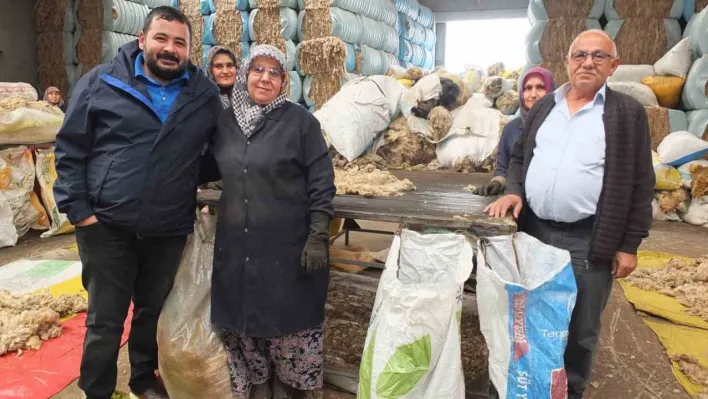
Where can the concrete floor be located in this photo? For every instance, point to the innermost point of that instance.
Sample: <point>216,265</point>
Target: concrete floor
<point>630,362</point>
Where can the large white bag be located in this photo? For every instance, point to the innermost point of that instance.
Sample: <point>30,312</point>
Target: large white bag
<point>632,73</point>
<point>427,88</point>
<point>679,148</point>
<point>677,61</point>
<point>697,214</point>
<point>412,348</point>
<point>192,359</point>
<point>474,134</point>
<point>638,91</point>
<point>522,282</point>
<point>358,112</point>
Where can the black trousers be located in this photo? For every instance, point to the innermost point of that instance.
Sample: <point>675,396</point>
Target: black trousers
<point>117,267</point>
<point>594,283</point>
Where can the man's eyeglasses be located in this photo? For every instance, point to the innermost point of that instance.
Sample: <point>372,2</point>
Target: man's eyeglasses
<point>273,73</point>
<point>598,57</point>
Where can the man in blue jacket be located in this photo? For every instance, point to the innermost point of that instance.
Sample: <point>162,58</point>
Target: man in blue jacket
<point>128,160</point>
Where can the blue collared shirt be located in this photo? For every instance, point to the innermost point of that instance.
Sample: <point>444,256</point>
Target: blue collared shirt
<point>564,180</point>
<point>163,96</point>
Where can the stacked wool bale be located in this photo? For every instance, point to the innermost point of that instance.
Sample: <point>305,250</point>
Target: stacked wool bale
<point>55,44</point>
<point>644,30</point>
<point>369,30</point>
<point>282,32</point>
<point>321,56</point>
<point>554,25</point>
<point>417,39</point>
<point>691,7</point>
<point>225,24</point>
<point>193,10</point>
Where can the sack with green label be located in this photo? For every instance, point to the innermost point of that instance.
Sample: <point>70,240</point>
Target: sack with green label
<point>412,347</point>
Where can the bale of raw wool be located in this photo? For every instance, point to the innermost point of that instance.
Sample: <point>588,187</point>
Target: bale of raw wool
<point>323,56</point>
<point>318,22</point>
<point>697,30</point>
<point>558,69</point>
<point>401,148</point>
<point>508,103</point>
<point>658,125</point>
<point>695,91</point>
<point>89,14</point>
<point>50,50</point>
<point>618,9</point>
<point>324,87</point>
<point>272,4</point>
<point>543,10</point>
<point>549,41</point>
<point>440,121</point>
<point>112,42</point>
<point>124,16</point>
<point>89,48</point>
<point>265,24</point>
<point>227,27</point>
<point>643,40</point>
<point>52,76</point>
<point>54,16</point>
<point>288,23</point>
<point>191,8</point>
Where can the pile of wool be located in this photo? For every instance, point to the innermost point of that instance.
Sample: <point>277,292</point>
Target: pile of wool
<point>496,69</point>
<point>508,103</point>
<point>441,121</point>
<point>670,201</point>
<point>699,180</point>
<point>364,161</point>
<point>403,149</point>
<point>27,320</point>
<point>685,281</point>
<point>465,91</point>
<point>449,99</point>
<point>691,367</point>
<point>466,165</point>
<point>13,103</point>
<point>495,86</point>
<point>370,182</point>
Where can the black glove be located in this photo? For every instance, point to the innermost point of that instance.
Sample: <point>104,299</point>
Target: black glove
<point>315,255</point>
<point>494,187</point>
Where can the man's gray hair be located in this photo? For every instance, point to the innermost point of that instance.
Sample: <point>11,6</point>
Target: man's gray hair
<point>599,32</point>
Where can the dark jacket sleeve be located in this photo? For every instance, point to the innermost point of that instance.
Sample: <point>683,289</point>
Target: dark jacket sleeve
<point>506,143</point>
<point>514,174</point>
<point>73,147</point>
<point>208,169</point>
<point>320,174</point>
<point>640,214</point>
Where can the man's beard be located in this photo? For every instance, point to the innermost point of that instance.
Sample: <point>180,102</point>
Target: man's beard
<point>162,73</point>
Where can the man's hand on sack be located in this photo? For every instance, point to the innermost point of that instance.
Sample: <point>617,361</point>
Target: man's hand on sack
<point>501,207</point>
<point>490,190</point>
<point>623,264</point>
<point>87,222</point>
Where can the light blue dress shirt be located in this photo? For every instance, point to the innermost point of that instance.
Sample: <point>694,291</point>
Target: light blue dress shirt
<point>564,180</point>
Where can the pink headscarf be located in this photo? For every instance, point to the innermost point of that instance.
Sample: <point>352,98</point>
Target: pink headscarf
<point>547,78</point>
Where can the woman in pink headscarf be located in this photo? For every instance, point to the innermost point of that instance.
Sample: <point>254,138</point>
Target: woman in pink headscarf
<point>536,83</point>
<point>53,96</point>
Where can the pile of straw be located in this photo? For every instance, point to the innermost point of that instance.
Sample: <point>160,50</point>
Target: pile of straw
<point>658,125</point>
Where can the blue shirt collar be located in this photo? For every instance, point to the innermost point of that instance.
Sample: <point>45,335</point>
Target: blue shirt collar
<point>562,91</point>
<point>140,72</point>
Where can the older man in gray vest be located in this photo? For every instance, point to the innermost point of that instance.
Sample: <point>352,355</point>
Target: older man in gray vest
<point>581,179</point>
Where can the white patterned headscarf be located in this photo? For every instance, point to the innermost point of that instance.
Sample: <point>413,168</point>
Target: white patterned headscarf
<point>247,112</point>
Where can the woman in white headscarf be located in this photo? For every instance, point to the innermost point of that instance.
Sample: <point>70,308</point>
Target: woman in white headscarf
<point>270,276</point>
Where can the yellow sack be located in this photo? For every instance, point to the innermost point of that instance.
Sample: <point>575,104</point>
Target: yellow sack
<point>47,175</point>
<point>406,82</point>
<point>668,178</point>
<point>666,88</point>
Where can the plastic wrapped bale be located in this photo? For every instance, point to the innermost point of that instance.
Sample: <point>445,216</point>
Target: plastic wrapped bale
<point>558,69</point>
<point>28,122</point>
<point>207,7</point>
<point>643,40</point>
<point>494,86</point>
<point>464,92</point>
<point>692,7</point>
<point>54,50</point>
<point>226,26</point>
<point>663,121</point>
<point>677,61</point>
<point>696,86</point>
<point>666,88</point>
<point>618,9</point>
<point>549,41</point>
<point>473,138</point>
<point>271,3</point>
<point>54,16</point>
<point>111,43</point>
<point>89,14</point>
<point>295,87</point>
<point>191,8</point>
<point>288,21</point>
<point>441,122</point>
<point>89,48</point>
<point>192,357</point>
<point>496,69</point>
<point>698,123</point>
<point>399,147</point>
<point>508,103</point>
<point>542,10</point>
<point>695,29</point>
<point>638,91</point>
<point>124,16</point>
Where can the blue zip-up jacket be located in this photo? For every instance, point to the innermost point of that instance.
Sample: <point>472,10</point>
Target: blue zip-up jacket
<point>115,159</point>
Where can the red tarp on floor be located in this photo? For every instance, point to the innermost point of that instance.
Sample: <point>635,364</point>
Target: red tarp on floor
<point>44,373</point>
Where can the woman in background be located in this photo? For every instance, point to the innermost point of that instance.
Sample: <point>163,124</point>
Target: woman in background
<point>53,96</point>
<point>222,66</point>
<point>535,84</point>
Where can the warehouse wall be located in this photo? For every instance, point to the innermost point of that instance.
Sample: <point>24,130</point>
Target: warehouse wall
<point>18,38</point>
